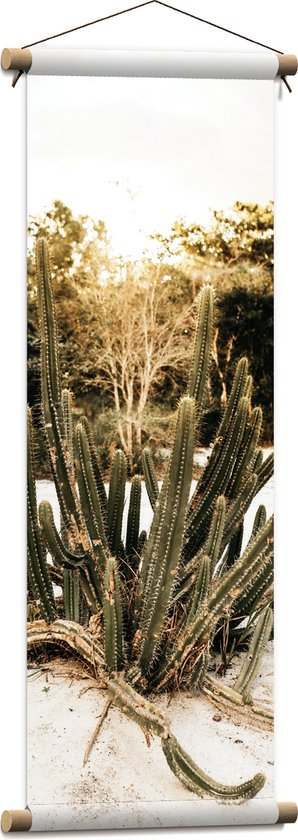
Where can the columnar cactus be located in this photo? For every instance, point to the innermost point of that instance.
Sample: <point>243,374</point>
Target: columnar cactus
<point>160,598</point>
<point>162,553</point>
<point>251,663</point>
<point>39,579</point>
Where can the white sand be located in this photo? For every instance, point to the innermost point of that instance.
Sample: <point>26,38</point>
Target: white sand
<point>121,767</point>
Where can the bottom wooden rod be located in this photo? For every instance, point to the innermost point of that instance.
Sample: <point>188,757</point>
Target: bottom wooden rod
<point>16,820</point>
<point>22,820</point>
<point>287,812</point>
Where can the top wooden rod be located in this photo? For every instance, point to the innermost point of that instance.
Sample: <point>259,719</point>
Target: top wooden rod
<point>21,59</point>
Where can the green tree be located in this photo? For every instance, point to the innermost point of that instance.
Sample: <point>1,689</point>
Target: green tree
<point>242,235</point>
<point>245,324</point>
<point>235,254</point>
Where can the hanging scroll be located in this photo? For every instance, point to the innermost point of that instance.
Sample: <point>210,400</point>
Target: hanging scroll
<point>150,429</point>
<point>154,198</point>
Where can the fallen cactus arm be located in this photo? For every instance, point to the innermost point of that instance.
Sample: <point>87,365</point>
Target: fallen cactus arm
<point>69,635</point>
<point>137,707</point>
<point>150,718</point>
<point>193,778</point>
<point>146,714</point>
<point>228,700</point>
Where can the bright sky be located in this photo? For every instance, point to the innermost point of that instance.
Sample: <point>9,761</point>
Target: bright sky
<point>138,153</point>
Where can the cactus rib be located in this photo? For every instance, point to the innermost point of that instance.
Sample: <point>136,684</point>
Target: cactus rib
<point>150,477</point>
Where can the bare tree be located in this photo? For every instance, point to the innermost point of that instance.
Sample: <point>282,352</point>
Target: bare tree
<point>140,337</point>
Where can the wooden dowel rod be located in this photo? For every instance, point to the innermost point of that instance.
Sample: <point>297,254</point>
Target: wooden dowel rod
<point>17,59</point>
<point>16,820</point>
<point>287,812</point>
<point>22,820</point>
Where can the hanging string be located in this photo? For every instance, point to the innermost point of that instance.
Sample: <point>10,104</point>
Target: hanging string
<point>224,29</point>
<point>76,28</point>
<point>91,23</point>
<point>149,3</point>
<point>216,26</point>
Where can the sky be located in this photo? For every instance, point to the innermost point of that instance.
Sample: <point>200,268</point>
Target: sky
<point>139,153</point>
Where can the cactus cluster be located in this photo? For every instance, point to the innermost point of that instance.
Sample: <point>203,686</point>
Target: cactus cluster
<point>162,598</point>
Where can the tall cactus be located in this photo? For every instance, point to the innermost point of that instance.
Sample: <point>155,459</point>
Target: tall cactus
<point>38,569</point>
<point>252,661</point>
<point>162,554</point>
<point>199,371</point>
<point>113,619</point>
<point>150,477</point>
<point>159,598</point>
<point>133,525</point>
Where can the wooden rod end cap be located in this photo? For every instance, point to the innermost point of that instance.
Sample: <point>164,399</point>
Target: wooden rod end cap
<point>6,59</point>
<point>287,65</point>
<point>16,59</point>
<point>287,812</point>
<point>16,820</point>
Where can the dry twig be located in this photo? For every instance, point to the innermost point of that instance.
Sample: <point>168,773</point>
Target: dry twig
<point>94,735</point>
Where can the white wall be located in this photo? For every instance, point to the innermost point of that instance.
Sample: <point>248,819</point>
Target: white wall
<point>154,27</point>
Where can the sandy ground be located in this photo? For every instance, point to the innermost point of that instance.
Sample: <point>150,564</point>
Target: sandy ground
<point>121,768</point>
<point>132,783</point>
